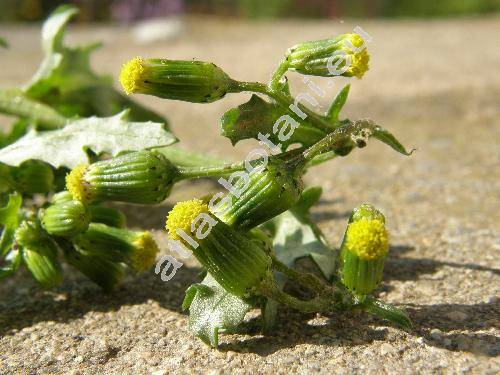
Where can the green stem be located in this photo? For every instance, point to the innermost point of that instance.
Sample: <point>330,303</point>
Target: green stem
<point>14,102</point>
<point>213,171</point>
<point>278,74</point>
<point>184,158</point>
<point>353,134</point>
<point>327,297</point>
<point>320,159</point>
<point>283,100</point>
<point>322,303</point>
<point>305,279</point>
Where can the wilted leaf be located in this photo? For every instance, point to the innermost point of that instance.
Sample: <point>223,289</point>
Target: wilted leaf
<point>212,308</point>
<point>259,116</point>
<point>66,81</point>
<point>350,135</point>
<point>386,137</point>
<point>67,147</point>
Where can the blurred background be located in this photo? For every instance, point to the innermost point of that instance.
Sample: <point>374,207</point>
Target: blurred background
<point>434,81</point>
<point>129,10</point>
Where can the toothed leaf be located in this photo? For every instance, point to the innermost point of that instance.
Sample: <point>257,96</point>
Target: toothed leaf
<point>211,309</point>
<point>295,235</point>
<point>67,147</point>
<point>259,116</point>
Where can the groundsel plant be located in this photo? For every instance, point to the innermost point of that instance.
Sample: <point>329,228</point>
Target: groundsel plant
<point>239,235</point>
<point>69,154</point>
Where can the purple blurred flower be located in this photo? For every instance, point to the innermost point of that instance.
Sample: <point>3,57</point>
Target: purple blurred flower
<point>131,10</point>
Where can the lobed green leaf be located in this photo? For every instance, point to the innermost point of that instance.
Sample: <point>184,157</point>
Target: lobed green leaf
<point>259,116</point>
<point>66,81</point>
<point>68,146</point>
<point>211,309</point>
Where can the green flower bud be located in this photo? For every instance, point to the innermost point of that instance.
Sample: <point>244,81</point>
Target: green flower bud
<point>65,219</point>
<point>34,176</point>
<point>267,193</point>
<point>235,260</point>
<point>102,271</point>
<point>190,81</point>
<point>136,249</point>
<point>39,253</point>
<point>363,250</point>
<point>345,55</point>
<point>144,177</point>
<point>108,216</point>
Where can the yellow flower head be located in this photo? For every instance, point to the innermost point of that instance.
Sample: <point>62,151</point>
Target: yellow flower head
<point>368,239</point>
<point>182,215</point>
<point>76,184</point>
<point>145,254</point>
<point>359,60</point>
<point>131,74</point>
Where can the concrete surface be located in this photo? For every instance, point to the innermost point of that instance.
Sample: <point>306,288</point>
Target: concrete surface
<point>436,85</point>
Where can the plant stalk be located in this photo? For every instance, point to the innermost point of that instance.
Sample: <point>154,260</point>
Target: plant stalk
<point>354,133</point>
<point>211,171</point>
<point>14,102</point>
<point>284,100</point>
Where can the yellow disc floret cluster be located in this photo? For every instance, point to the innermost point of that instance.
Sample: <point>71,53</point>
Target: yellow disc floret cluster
<point>76,185</point>
<point>359,60</point>
<point>368,239</point>
<point>131,74</point>
<point>145,254</point>
<point>182,215</point>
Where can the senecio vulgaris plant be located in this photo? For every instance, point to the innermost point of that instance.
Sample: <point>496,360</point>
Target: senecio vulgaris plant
<point>247,238</point>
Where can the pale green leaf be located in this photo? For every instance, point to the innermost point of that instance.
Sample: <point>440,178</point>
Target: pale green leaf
<point>211,309</point>
<point>295,235</point>
<point>67,147</point>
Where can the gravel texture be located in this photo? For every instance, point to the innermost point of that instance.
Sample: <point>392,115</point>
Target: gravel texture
<point>434,84</point>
